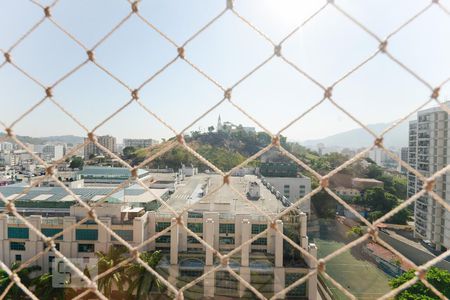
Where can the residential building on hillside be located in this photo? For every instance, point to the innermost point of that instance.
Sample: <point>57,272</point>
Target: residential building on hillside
<point>428,144</point>
<point>107,141</point>
<point>139,143</point>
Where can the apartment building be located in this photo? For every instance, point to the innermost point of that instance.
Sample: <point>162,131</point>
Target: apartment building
<point>428,143</point>
<point>107,141</point>
<point>139,143</point>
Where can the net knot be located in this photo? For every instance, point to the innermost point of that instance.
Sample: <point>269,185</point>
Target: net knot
<point>91,136</point>
<point>421,272</point>
<point>435,93</point>
<point>134,173</point>
<point>50,243</point>
<point>328,92</point>
<point>134,6</point>
<point>135,94</point>
<point>383,46</point>
<point>179,296</point>
<point>227,94</point>
<point>50,171</point>
<point>324,182</point>
<point>226,179</point>
<point>10,207</point>
<point>277,50</point>
<point>180,139</point>
<point>49,92</point>
<point>90,55</point>
<point>330,1</point>
<point>229,4</point>
<point>373,232</point>
<point>91,214</point>
<point>47,12</point>
<point>224,261</point>
<point>378,142</point>
<point>435,1</point>
<point>134,253</point>
<point>7,57</point>
<point>321,265</point>
<point>429,185</point>
<point>9,132</point>
<point>276,141</point>
<point>14,277</point>
<point>273,225</point>
<point>180,51</point>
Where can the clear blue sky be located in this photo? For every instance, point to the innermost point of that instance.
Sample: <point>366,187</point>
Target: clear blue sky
<point>326,48</point>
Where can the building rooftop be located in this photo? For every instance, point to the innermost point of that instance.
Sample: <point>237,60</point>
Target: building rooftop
<point>96,171</point>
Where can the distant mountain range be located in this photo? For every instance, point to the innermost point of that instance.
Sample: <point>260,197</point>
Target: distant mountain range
<point>68,139</point>
<point>358,138</point>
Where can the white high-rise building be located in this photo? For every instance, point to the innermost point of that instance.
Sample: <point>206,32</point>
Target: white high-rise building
<point>428,144</point>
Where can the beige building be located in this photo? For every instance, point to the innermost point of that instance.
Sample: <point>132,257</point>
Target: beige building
<point>107,141</point>
<point>428,144</point>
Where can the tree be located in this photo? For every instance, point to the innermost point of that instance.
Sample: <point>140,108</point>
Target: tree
<point>355,231</point>
<point>210,129</point>
<point>116,279</point>
<point>440,279</point>
<point>374,171</point>
<point>43,289</point>
<point>24,274</point>
<point>142,282</point>
<point>128,152</point>
<point>76,163</point>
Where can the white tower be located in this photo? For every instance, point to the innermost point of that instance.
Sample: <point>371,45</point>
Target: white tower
<point>219,124</point>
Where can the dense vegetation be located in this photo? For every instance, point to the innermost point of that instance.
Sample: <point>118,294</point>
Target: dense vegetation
<point>377,201</point>
<point>224,149</point>
<point>440,279</point>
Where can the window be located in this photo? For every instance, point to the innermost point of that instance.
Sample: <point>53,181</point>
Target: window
<point>127,235</point>
<point>51,232</point>
<point>195,215</point>
<point>226,228</point>
<point>286,191</point>
<point>192,240</point>
<point>86,248</point>
<point>302,191</point>
<point>18,257</point>
<point>196,227</point>
<point>160,226</point>
<point>18,246</point>
<point>226,240</point>
<point>163,239</point>
<point>260,241</point>
<point>56,246</point>
<point>86,234</point>
<point>18,233</point>
<point>258,228</point>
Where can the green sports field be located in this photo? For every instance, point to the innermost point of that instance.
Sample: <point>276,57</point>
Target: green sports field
<point>361,278</point>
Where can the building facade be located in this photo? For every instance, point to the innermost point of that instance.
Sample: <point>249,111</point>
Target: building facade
<point>404,157</point>
<point>107,141</point>
<point>184,255</point>
<point>428,144</point>
<point>139,143</point>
